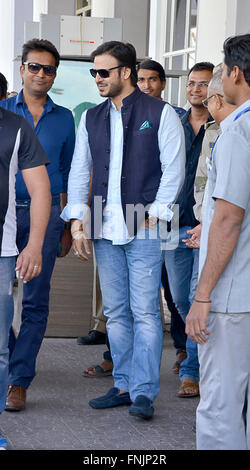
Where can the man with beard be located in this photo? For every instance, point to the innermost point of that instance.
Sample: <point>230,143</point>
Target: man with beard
<point>135,145</point>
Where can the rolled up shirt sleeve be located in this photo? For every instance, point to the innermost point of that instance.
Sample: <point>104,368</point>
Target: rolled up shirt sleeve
<point>172,156</point>
<point>79,176</point>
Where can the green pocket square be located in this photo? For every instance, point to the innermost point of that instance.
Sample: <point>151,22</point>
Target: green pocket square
<point>145,125</point>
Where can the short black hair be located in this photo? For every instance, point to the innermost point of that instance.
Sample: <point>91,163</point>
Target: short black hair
<point>40,45</point>
<point>3,87</point>
<point>150,64</point>
<point>237,52</point>
<point>199,66</point>
<point>125,53</point>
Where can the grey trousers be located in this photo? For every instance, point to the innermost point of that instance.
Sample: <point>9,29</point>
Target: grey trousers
<point>223,414</point>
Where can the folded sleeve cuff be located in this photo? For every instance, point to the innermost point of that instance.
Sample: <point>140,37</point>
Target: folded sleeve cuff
<point>161,211</point>
<point>74,211</point>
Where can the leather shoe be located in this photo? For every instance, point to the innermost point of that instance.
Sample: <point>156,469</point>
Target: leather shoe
<point>111,399</point>
<point>142,407</point>
<point>16,399</point>
<point>94,337</point>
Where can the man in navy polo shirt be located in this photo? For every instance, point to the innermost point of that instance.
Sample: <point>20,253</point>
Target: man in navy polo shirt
<point>19,148</point>
<point>54,127</point>
<point>135,145</point>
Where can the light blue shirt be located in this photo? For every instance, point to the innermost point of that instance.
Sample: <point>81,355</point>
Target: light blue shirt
<point>172,156</point>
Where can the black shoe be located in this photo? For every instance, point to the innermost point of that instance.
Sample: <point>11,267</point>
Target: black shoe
<point>94,337</point>
<point>142,407</point>
<point>111,399</point>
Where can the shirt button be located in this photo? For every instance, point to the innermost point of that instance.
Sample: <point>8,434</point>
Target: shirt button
<point>103,200</point>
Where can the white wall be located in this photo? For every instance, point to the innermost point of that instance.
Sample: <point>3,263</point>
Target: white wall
<point>157,30</point>
<point>103,8</point>
<point>39,6</point>
<point>211,30</point>
<point>6,39</point>
<point>53,7</point>
<point>238,17</point>
<point>217,20</point>
<point>135,19</point>
<point>13,14</point>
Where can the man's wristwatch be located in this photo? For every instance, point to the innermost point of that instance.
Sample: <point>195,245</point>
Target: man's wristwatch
<point>67,225</point>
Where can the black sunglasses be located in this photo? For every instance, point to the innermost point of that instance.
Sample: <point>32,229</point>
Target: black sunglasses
<point>33,67</point>
<point>103,73</point>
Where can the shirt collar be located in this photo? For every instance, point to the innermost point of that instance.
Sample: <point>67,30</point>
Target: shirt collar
<point>49,106</point>
<point>230,118</point>
<point>185,117</point>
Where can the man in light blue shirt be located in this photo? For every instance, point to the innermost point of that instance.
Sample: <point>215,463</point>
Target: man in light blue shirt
<point>219,319</point>
<point>134,145</point>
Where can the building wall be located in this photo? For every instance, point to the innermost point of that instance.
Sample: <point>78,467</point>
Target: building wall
<point>211,30</point>
<point>13,14</point>
<point>217,20</point>
<point>135,16</point>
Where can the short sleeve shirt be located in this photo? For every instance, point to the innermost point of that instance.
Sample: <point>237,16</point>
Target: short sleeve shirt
<point>229,179</point>
<point>19,149</point>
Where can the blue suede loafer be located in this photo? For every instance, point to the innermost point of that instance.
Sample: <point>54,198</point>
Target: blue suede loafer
<point>142,407</point>
<point>111,399</point>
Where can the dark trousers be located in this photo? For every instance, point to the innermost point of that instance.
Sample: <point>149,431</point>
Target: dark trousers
<point>24,349</point>
<point>177,326</point>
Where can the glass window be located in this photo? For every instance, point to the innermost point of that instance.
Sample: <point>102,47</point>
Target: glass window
<point>74,87</point>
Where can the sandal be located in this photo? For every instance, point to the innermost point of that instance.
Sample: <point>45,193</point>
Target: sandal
<point>188,389</point>
<point>98,372</point>
<point>177,365</point>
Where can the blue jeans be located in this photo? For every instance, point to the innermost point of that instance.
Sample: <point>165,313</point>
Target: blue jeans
<point>130,278</point>
<point>182,268</point>
<point>24,349</point>
<point>7,273</point>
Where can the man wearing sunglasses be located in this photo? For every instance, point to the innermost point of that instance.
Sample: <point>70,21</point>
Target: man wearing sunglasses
<point>135,145</point>
<point>54,127</point>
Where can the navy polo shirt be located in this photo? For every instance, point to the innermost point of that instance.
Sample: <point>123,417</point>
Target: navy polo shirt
<point>56,132</point>
<point>186,199</point>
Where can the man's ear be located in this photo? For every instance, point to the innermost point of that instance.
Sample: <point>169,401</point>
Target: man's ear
<point>237,74</point>
<point>219,101</point>
<point>163,84</point>
<point>126,72</point>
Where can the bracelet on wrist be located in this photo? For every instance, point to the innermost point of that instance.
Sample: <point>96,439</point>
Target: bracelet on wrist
<point>202,301</point>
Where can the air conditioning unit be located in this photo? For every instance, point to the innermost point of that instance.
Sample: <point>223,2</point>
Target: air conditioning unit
<point>74,35</point>
<point>80,35</point>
